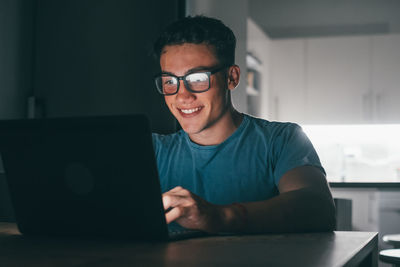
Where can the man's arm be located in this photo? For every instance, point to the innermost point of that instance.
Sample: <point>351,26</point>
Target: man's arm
<point>304,204</point>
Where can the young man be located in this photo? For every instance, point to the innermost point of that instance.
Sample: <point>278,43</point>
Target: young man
<point>226,171</point>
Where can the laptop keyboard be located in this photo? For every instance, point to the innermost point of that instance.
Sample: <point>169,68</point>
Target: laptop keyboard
<point>175,232</point>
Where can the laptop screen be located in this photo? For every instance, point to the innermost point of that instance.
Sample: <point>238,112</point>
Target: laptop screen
<point>83,176</point>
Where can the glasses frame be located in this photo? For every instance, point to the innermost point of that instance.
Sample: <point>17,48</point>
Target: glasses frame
<point>185,82</point>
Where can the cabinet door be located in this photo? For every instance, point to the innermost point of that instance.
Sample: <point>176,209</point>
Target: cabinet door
<point>389,215</point>
<point>287,80</point>
<point>338,80</point>
<point>386,78</point>
<point>365,204</point>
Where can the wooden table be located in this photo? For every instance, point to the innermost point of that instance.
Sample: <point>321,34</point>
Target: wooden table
<point>309,249</point>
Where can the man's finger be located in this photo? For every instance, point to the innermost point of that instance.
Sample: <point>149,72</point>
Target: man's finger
<point>179,191</point>
<point>175,189</point>
<point>167,201</point>
<point>171,200</point>
<point>173,214</point>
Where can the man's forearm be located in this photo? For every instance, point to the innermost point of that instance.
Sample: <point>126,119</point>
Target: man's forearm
<point>301,210</point>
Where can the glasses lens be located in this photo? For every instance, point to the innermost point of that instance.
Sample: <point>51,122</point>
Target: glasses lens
<point>198,81</point>
<point>167,84</point>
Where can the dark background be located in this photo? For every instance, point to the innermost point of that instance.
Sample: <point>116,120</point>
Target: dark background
<point>81,57</point>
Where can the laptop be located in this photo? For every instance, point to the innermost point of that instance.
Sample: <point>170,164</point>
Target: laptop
<point>85,176</point>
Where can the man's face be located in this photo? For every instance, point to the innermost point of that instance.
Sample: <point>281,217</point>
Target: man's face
<point>196,112</point>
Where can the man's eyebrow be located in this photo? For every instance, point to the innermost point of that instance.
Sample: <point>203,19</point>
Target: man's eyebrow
<point>168,73</point>
<point>199,68</point>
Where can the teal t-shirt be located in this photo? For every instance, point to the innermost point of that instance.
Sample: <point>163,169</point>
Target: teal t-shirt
<point>245,167</point>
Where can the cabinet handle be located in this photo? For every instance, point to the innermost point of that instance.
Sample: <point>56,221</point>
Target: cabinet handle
<point>366,105</point>
<point>31,103</point>
<point>378,99</point>
<point>372,209</point>
<point>36,107</point>
<point>276,107</point>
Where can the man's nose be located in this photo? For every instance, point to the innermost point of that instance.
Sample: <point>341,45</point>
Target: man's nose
<point>184,93</point>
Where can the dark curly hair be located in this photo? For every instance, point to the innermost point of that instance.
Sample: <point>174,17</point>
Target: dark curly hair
<point>199,30</point>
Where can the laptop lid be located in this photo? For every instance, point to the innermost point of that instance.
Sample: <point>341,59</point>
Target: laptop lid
<point>83,176</point>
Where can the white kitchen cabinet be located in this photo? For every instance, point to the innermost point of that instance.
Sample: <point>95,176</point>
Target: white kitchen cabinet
<point>386,78</point>
<point>336,80</point>
<point>288,80</point>
<point>373,209</point>
<point>389,214</point>
<point>365,205</point>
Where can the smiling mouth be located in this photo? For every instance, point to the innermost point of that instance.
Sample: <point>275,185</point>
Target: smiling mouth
<point>190,111</point>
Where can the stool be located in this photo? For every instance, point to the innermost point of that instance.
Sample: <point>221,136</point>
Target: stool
<point>390,256</point>
<point>393,240</point>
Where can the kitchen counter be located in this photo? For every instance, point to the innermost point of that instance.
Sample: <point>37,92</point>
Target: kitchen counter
<point>389,185</point>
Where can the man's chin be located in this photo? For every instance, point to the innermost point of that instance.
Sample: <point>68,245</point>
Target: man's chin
<point>191,129</point>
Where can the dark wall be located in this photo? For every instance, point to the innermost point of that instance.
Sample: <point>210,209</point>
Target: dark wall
<point>16,37</point>
<point>93,57</point>
<point>81,57</point>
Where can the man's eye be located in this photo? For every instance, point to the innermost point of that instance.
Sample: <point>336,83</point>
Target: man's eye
<point>197,77</point>
<point>169,81</point>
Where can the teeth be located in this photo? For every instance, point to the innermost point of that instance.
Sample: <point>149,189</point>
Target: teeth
<point>189,111</point>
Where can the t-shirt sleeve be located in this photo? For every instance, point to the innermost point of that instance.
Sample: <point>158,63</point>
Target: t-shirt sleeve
<point>156,144</point>
<point>292,149</point>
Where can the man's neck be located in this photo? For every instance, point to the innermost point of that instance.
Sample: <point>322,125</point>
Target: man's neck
<point>223,128</point>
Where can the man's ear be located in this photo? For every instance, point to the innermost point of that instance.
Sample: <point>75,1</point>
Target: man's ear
<point>233,76</point>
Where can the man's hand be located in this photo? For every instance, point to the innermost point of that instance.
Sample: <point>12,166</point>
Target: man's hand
<point>304,204</point>
<point>191,211</point>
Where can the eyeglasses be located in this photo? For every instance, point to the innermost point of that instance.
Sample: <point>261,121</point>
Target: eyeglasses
<point>196,82</point>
